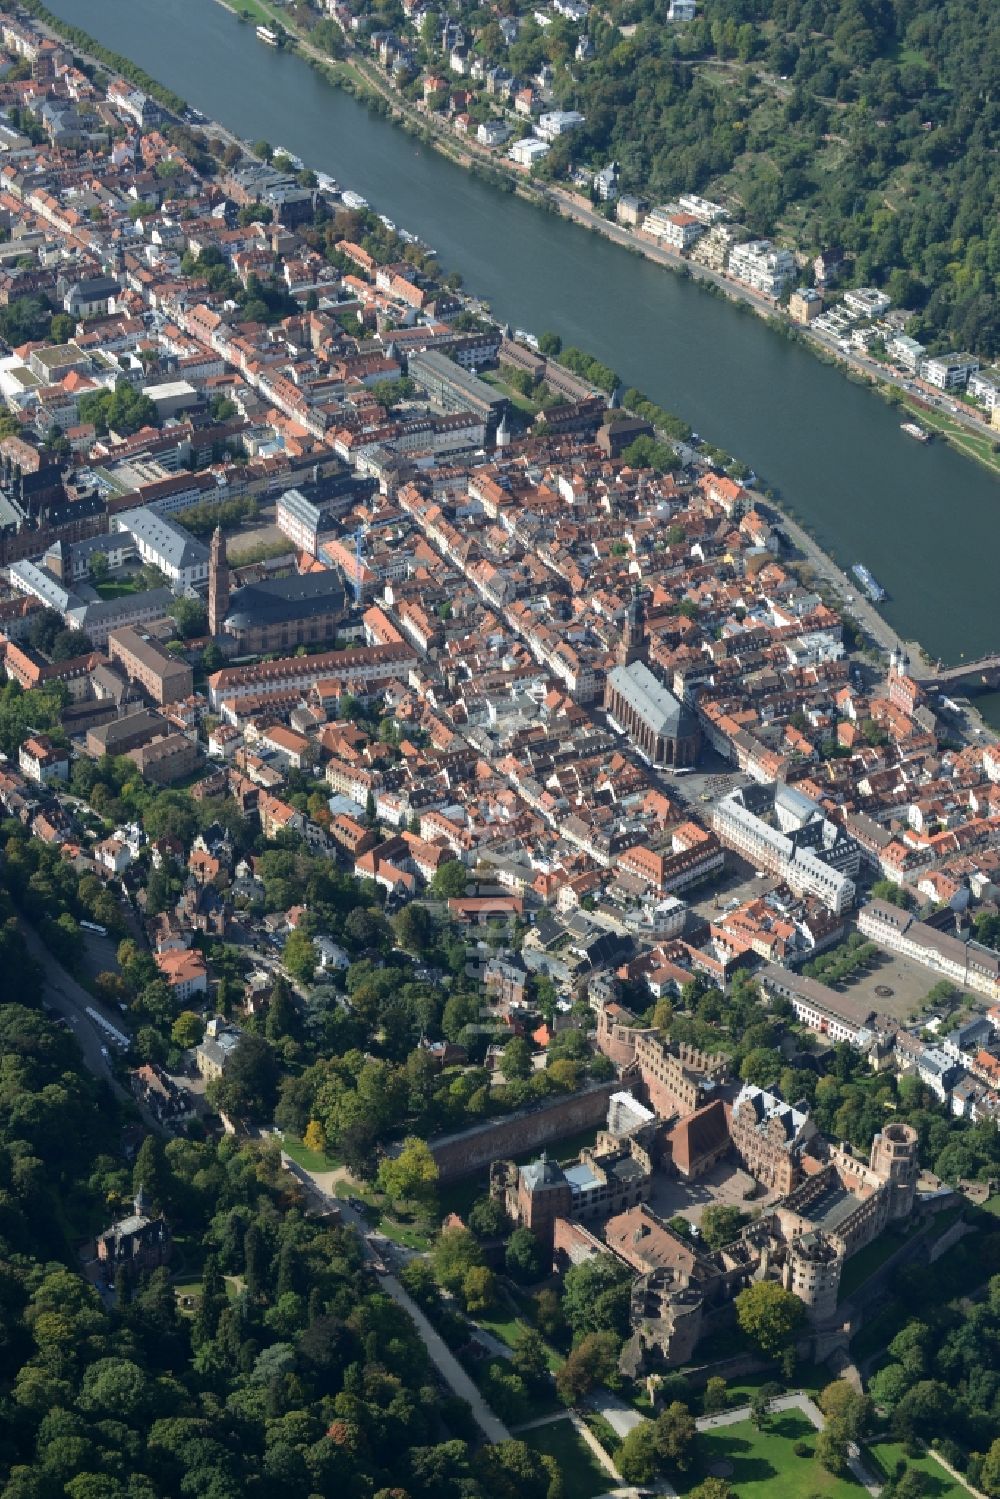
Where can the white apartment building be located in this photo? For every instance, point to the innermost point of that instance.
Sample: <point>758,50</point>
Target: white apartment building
<point>672,227</point>
<point>865,301</point>
<point>786,833</point>
<point>551,126</point>
<point>984,387</point>
<point>762,267</point>
<point>949,371</point>
<point>906,351</point>
<point>703,208</point>
<point>528,151</point>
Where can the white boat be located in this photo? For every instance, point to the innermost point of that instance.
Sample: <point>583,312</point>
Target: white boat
<point>265,34</point>
<point>388,223</point>
<point>296,161</point>
<point>353,200</point>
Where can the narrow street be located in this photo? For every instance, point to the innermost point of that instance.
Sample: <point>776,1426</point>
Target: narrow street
<point>69,999</point>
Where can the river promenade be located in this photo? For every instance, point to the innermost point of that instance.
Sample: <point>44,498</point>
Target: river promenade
<point>467,152</point>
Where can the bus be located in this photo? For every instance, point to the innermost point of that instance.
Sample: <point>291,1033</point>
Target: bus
<point>110,1032</point>
<point>94,926</point>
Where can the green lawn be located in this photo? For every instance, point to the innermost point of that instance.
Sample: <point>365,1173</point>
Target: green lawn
<point>861,1266</point>
<point>116,588</point>
<point>309,1160</point>
<point>250,10</point>
<point>506,1321</point>
<point>940,1484</point>
<point>378,1216</point>
<point>970,443</point>
<point>809,1377</point>
<point>583,1476</point>
<point>502,1323</point>
<point>763,1464</point>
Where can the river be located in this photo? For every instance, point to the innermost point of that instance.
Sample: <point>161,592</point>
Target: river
<point>924,519</point>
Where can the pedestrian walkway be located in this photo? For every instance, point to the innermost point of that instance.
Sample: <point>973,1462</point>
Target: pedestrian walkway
<point>812,1412</point>
<point>447,1364</point>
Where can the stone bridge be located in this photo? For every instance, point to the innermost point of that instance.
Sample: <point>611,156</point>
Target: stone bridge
<point>985,668</point>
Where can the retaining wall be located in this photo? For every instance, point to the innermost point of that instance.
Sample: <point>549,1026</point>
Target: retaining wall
<point>468,1151</point>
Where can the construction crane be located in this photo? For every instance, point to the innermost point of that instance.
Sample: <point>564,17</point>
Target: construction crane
<point>358,537</point>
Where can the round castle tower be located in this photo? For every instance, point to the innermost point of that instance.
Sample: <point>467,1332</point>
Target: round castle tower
<point>812,1270</point>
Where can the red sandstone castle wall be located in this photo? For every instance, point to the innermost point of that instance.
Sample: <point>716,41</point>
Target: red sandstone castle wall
<point>463,1154</point>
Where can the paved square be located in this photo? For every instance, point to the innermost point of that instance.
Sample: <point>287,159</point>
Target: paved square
<point>726,1185</point>
<point>910,984</point>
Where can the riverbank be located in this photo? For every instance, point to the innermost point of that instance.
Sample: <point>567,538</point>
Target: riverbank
<point>828,452</point>
<point>968,435</point>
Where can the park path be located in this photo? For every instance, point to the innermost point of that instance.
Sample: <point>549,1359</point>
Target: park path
<point>622,1490</point>
<point>622,1418</point>
<point>812,1412</point>
<point>447,1365</point>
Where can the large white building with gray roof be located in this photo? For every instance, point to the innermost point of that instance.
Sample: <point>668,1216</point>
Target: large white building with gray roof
<point>162,543</point>
<point>779,829</point>
<point>38,583</point>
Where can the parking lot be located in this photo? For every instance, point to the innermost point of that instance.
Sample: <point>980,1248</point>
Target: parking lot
<point>99,955</point>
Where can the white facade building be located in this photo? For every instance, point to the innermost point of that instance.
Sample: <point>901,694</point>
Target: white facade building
<point>528,151</point>
<point>675,228</point>
<point>906,351</point>
<point>865,301</point>
<point>299,520</point>
<point>762,267</point>
<point>779,829</point>
<point>162,543</point>
<point>984,387</point>
<point>949,371</point>
<point>558,122</point>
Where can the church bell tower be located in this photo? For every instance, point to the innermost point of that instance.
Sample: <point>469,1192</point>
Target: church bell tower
<point>633,641</point>
<point>218,584</point>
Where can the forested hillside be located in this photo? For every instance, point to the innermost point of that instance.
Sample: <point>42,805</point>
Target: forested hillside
<point>286,1370</point>
<point>870,125</point>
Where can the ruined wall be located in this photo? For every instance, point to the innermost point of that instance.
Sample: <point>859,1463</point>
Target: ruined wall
<point>470,1150</point>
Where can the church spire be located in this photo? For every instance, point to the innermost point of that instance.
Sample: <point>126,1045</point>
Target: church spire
<point>633,642</point>
<point>218,584</point>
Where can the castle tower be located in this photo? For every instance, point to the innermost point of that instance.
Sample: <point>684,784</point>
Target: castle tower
<point>894,1161</point>
<point>812,1271</point>
<point>633,643</point>
<point>218,584</point>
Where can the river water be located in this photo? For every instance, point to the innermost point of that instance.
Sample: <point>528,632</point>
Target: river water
<point>924,519</point>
